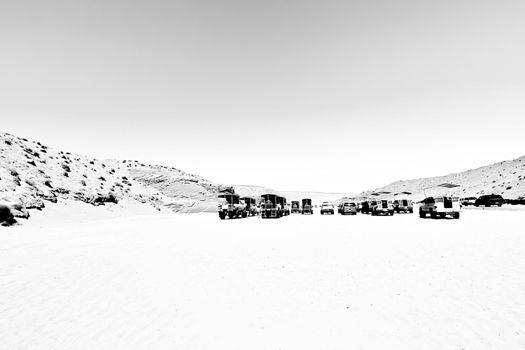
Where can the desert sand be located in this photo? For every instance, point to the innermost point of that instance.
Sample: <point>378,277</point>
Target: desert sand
<point>134,280</point>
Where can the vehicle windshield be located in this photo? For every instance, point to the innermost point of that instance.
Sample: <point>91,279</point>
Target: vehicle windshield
<point>404,202</point>
<point>349,204</point>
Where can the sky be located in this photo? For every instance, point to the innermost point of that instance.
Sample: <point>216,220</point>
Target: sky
<point>321,95</point>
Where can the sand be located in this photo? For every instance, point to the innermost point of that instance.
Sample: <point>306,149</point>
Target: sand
<point>191,281</point>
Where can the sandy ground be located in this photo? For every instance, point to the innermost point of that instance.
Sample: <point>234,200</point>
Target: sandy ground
<point>303,282</point>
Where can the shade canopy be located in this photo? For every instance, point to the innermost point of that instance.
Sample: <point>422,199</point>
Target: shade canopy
<point>447,185</point>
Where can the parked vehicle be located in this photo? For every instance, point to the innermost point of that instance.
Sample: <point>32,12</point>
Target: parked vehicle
<point>296,207</point>
<point>516,201</point>
<point>382,207</point>
<point>251,205</point>
<point>231,206</point>
<point>271,206</point>
<point>468,201</point>
<point>403,206</point>
<point>327,208</point>
<point>307,207</point>
<point>285,206</point>
<point>372,205</point>
<point>440,207</point>
<point>489,200</point>
<point>364,207</point>
<point>349,208</point>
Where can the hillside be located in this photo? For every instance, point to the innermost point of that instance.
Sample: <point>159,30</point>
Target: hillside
<point>506,178</point>
<point>33,174</point>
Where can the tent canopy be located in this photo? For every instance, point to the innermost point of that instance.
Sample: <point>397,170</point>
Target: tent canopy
<point>447,185</point>
<point>404,192</point>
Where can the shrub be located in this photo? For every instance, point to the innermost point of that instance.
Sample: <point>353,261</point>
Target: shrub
<point>6,216</point>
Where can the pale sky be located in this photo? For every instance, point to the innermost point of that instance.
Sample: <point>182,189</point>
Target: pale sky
<point>295,95</point>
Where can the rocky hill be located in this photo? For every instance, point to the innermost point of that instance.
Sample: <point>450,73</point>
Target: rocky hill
<point>33,174</point>
<point>506,178</point>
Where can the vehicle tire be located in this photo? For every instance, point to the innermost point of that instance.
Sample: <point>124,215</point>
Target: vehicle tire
<point>456,215</point>
<point>231,215</point>
<point>222,215</point>
<point>422,214</point>
<point>442,215</point>
<point>433,215</point>
<point>391,213</point>
<point>244,214</point>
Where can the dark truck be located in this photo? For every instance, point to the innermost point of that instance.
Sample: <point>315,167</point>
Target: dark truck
<point>231,206</point>
<point>403,206</point>
<point>489,200</point>
<point>382,207</point>
<point>307,206</point>
<point>363,207</point>
<point>296,208</point>
<point>251,205</point>
<point>271,206</point>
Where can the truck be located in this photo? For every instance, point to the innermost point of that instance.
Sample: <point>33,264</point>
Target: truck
<point>231,206</point>
<point>296,207</point>
<point>284,205</point>
<point>251,206</point>
<point>441,206</point>
<point>489,200</point>
<point>271,206</point>
<point>327,208</point>
<point>307,207</point>
<point>382,207</point>
<point>403,206</point>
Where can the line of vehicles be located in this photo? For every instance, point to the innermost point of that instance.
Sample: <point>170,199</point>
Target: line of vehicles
<point>271,205</point>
